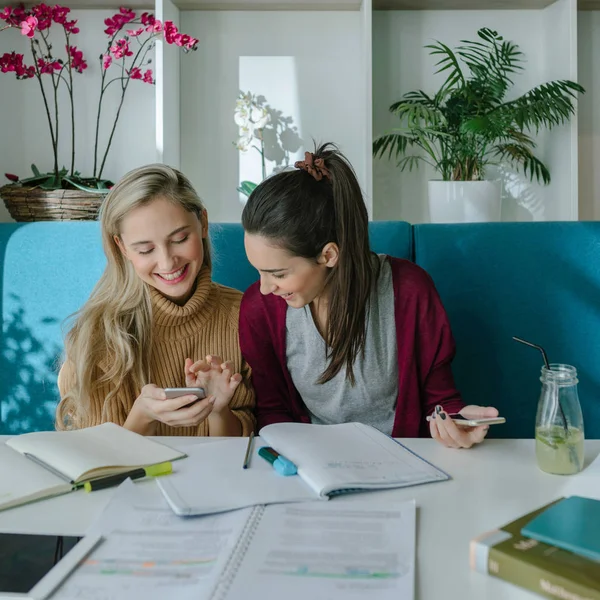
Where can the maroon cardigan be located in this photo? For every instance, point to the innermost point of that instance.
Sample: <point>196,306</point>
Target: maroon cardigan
<point>425,352</point>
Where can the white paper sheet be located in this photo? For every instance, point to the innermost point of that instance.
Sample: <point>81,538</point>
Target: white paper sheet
<point>225,485</point>
<point>150,553</point>
<point>335,550</point>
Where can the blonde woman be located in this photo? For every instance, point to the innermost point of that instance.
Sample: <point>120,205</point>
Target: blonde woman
<point>156,320</point>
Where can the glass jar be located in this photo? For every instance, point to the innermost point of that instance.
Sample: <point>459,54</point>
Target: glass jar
<point>559,422</point>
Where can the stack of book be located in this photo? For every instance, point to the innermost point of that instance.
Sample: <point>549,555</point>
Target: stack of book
<point>554,551</point>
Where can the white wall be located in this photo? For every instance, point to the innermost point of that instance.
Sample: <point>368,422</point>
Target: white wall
<point>589,115</point>
<point>25,136</point>
<point>306,64</point>
<point>401,64</point>
<point>168,88</point>
<point>560,62</point>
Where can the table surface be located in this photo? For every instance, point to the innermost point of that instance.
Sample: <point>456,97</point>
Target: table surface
<point>491,485</point>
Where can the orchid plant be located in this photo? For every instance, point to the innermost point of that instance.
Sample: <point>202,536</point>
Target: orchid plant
<point>251,116</point>
<point>126,58</point>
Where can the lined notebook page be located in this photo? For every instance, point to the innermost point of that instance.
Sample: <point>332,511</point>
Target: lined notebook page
<point>334,550</point>
<point>75,453</point>
<point>349,455</point>
<point>151,554</point>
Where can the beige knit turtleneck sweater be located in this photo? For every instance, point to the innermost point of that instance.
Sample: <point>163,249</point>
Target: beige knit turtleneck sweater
<point>206,324</point>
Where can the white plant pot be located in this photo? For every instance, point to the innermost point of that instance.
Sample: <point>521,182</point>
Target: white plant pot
<point>464,201</point>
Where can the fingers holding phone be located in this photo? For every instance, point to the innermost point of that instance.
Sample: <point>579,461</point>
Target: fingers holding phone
<point>464,429</point>
<point>176,407</point>
<point>190,413</point>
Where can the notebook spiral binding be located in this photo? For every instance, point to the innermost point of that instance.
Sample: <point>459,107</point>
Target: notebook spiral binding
<point>236,557</point>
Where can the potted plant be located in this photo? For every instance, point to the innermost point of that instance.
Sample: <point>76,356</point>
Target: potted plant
<point>469,125</point>
<point>64,193</point>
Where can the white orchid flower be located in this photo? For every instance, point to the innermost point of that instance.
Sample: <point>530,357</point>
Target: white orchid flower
<point>260,117</point>
<point>241,117</point>
<point>245,139</point>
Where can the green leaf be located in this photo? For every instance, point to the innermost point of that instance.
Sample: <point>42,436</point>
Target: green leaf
<point>104,184</point>
<point>448,62</point>
<point>51,183</point>
<point>393,143</point>
<point>409,162</point>
<point>33,181</point>
<point>84,188</point>
<point>522,156</point>
<point>35,170</point>
<point>246,188</point>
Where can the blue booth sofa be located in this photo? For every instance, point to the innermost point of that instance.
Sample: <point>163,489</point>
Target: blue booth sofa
<point>539,281</point>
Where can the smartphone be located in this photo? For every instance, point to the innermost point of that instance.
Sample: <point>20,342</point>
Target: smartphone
<point>466,422</point>
<point>178,392</point>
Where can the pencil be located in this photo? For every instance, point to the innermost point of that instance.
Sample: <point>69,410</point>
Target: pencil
<point>247,457</point>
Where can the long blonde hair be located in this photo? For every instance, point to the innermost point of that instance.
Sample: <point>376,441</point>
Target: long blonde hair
<point>114,327</point>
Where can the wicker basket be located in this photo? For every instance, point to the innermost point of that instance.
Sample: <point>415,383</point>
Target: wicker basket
<point>34,204</point>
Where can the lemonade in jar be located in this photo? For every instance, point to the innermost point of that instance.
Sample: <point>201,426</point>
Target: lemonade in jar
<point>559,432</point>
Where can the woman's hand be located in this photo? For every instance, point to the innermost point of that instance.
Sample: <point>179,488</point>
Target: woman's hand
<point>152,406</point>
<point>444,430</point>
<point>216,377</point>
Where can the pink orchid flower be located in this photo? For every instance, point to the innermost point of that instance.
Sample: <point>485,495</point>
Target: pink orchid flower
<point>121,49</point>
<point>59,14</point>
<point>28,26</point>
<point>135,73</point>
<point>148,76</point>
<point>78,63</point>
<point>106,61</point>
<point>135,32</point>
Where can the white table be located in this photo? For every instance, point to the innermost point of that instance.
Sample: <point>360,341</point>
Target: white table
<point>491,485</point>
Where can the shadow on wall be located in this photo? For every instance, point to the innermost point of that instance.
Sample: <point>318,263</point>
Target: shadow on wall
<point>522,200</point>
<point>280,136</point>
<point>29,368</point>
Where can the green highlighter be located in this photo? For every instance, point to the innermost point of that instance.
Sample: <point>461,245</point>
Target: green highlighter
<point>112,480</point>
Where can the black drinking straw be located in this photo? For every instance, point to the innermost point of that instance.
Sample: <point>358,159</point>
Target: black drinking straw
<point>547,365</point>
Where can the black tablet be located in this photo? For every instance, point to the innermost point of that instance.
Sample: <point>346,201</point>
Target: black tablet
<point>28,561</point>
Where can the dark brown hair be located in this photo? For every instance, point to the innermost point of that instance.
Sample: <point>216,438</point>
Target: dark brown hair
<point>301,215</point>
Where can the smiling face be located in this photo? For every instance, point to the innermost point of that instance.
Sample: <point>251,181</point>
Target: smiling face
<point>163,242</point>
<point>299,281</point>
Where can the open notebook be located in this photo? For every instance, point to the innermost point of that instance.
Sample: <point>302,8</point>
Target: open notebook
<point>331,459</point>
<point>49,463</point>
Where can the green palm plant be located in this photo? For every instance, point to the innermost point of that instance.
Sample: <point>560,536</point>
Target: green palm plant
<point>468,124</point>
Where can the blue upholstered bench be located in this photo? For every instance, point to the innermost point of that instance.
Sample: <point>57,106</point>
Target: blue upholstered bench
<point>535,280</point>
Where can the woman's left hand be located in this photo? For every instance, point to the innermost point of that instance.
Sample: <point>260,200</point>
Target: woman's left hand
<point>444,430</point>
<point>215,376</point>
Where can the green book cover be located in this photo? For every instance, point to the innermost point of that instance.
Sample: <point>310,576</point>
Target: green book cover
<point>533,565</point>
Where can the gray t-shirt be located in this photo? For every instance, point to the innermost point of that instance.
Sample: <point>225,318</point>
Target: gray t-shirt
<point>372,399</point>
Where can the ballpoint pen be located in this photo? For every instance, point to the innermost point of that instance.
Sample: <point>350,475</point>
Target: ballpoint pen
<point>280,463</point>
<point>248,448</point>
